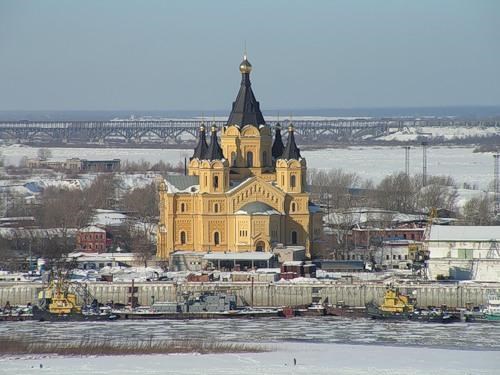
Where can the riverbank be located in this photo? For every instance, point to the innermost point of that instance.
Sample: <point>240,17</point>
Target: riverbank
<point>29,346</point>
<point>276,294</point>
<point>289,358</point>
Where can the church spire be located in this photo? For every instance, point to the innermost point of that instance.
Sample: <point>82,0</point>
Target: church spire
<point>278,145</point>
<point>291,150</point>
<point>214,151</point>
<point>202,146</point>
<point>246,109</point>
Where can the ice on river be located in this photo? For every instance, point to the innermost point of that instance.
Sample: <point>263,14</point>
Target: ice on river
<point>320,346</point>
<point>369,162</point>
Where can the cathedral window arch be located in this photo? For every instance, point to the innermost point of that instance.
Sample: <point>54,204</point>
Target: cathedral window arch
<point>216,238</point>
<point>294,237</point>
<point>183,237</point>
<point>183,207</point>
<point>294,207</point>
<point>216,207</point>
<point>249,159</point>
<point>293,181</point>
<point>216,182</point>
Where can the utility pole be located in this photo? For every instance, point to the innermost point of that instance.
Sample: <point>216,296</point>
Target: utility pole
<point>407,160</point>
<point>497,184</point>
<point>424,163</point>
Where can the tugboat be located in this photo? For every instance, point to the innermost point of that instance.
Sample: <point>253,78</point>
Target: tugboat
<point>58,303</point>
<point>396,306</point>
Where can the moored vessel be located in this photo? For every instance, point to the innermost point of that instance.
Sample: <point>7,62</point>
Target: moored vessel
<point>395,306</point>
<point>491,311</point>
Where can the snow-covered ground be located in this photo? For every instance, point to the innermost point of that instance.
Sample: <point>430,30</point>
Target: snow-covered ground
<point>369,162</point>
<point>446,132</point>
<point>315,359</point>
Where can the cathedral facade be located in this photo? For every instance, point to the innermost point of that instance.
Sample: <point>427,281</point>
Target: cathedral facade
<point>246,193</point>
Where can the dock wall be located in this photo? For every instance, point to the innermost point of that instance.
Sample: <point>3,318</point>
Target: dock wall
<point>268,294</point>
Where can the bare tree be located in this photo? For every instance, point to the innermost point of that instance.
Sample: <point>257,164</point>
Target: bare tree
<point>142,205</point>
<point>332,188</point>
<point>440,192</point>
<point>478,211</point>
<point>102,192</point>
<point>44,153</point>
<point>142,247</point>
<point>396,192</point>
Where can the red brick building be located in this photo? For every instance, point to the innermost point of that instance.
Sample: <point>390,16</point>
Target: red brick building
<point>361,237</point>
<point>91,239</point>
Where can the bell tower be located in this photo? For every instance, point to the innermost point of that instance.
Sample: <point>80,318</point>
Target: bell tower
<point>213,168</point>
<point>199,153</point>
<point>291,167</point>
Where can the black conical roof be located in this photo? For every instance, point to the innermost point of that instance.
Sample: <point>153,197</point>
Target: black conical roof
<point>246,109</point>
<point>201,148</point>
<point>291,150</point>
<point>214,151</point>
<point>278,145</point>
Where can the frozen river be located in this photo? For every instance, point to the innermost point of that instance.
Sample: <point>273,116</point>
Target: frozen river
<point>306,330</point>
<point>369,162</point>
<point>320,346</point>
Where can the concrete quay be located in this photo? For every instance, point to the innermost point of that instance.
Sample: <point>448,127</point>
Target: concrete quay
<point>269,294</point>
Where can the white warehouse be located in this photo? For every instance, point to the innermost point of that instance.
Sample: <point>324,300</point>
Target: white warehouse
<point>464,252</point>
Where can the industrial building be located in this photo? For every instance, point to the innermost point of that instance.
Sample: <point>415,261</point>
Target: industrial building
<point>464,252</point>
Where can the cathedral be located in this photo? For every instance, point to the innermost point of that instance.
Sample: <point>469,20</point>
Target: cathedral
<point>246,192</point>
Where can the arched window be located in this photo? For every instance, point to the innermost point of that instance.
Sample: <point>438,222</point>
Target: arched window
<point>216,238</point>
<point>250,159</point>
<point>294,237</point>
<point>183,237</point>
<point>216,182</point>
<point>292,181</point>
<point>183,207</point>
<point>216,207</point>
<point>293,207</point>
<point>264,158</point>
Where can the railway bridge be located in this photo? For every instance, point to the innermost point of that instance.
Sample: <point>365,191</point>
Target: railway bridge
<point>182,131</point>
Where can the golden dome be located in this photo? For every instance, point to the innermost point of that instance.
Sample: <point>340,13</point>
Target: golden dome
<point>245,66</point>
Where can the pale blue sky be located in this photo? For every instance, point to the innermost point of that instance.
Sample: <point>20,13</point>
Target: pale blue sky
<point>170,55</point>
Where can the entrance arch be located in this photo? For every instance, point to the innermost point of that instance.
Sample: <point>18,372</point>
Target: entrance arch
<point>260,246</point>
